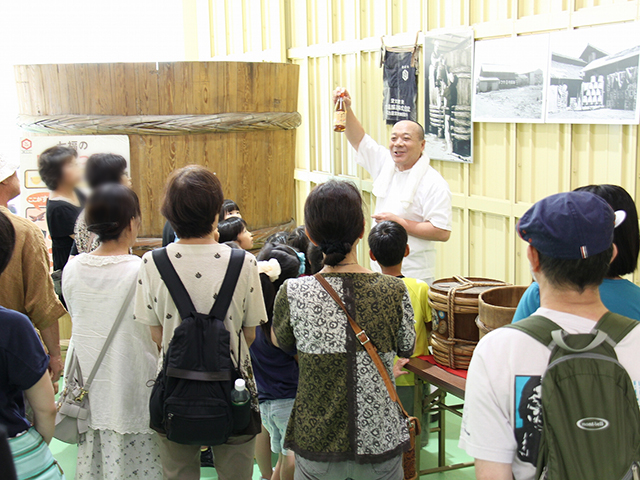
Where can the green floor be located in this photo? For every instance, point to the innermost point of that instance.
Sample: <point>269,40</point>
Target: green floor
<point>66,456</point>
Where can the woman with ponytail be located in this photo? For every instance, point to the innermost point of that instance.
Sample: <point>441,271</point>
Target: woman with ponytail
<point>119,443</point>
<point>343,423</point>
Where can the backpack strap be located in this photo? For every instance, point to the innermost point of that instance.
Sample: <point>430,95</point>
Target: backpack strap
<point>175,286</point>
<point>537,327</point>
<point>616,326</point>
<point>223,300</point>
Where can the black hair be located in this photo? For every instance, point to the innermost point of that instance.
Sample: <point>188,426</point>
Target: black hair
<point>388,243</point>
<point>289,262</point>
<point>192,200</point>
<point>109,210</point>
<point>230,228</point>
<point>228,206</point>
<point>627,235</point>
<point>315,257</point>
<point>278,238</point>
<point>334,219</point>
<point>576,274</point>
<point>104,168</point>
<point>298,239</point>
<point>51,163</point>
<point>7,241</point>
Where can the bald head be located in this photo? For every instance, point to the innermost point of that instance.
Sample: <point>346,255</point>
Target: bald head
<point>406,143</point>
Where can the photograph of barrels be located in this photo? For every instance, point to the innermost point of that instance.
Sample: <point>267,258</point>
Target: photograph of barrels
<point>448,88</point>
<point>593,75</point>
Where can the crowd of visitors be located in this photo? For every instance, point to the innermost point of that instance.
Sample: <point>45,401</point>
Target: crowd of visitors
<point>262,347</point>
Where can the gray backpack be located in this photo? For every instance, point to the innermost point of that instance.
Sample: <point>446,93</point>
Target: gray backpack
<point>590,416</point>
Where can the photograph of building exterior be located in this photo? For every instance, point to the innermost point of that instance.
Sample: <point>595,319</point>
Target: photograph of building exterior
<point>448,93</point>
<point>593,75</point>
<point>509,79</point>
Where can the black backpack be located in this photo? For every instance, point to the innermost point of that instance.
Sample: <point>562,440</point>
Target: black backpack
<point>191,399</point>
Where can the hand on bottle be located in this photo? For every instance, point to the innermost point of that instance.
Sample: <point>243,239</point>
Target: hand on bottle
<point>342,92</point>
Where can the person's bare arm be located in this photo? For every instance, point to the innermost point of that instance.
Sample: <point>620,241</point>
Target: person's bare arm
<point>156,334</point>
<point>41,399</point>
<point>274,340</point>
<point>249,334</point>
<point>51,339</point>
<point>425,230</point>
<point>354,129</point>
<point>486,470</point>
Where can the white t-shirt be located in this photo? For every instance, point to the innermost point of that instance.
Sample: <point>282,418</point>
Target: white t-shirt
<point>202,269</point>
<point>95,288</point>
<point>506,369</point>
<point>431,203</point>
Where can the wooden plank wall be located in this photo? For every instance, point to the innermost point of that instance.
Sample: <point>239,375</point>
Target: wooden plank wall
<point>255,168</point>
<point>336,42</point>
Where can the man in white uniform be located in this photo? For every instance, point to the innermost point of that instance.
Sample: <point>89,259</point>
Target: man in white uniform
<point>570,238</point>
<point>408,189</point>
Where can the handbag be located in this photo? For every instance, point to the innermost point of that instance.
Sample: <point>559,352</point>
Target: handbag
<point>413,424</point>
<point>73,410</point>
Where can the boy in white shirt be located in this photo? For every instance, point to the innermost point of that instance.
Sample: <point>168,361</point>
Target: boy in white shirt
<point>570,238</point>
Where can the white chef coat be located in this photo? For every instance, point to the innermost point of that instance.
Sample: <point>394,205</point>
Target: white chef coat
<point>431,203</point>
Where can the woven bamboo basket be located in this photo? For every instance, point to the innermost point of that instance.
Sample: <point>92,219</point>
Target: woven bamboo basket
<point>497,307</point>
<point>454,302</point>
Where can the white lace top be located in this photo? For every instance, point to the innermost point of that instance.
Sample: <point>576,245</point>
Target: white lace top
<point>94,288</point>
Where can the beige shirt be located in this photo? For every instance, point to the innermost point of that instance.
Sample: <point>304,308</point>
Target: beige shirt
<point>26,285</point>
<point>202,269</point>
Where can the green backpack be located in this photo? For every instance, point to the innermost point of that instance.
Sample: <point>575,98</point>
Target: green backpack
<point>590,414</point>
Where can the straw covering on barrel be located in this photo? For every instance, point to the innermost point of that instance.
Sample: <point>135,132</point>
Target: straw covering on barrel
<point>236,118</point>
<point>496,307</point>
<point>455,306</point>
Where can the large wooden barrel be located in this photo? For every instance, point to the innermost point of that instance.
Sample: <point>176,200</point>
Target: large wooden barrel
<point>252,150</point>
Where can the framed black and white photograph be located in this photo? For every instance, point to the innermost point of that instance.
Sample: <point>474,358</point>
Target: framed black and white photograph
<point>510,75</point>
<point>593,75</point>
<point>448,72</point>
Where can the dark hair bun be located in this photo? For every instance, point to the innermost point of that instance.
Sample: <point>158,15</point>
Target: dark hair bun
<point>110,209</point>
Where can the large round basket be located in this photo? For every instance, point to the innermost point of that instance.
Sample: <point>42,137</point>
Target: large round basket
<point>454,302</point>
<point>497,306</point>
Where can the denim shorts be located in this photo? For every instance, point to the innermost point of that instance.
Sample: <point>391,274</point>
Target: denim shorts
<point>275,418</point>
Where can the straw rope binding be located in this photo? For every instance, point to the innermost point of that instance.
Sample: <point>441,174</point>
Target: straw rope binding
<point>451,351</point>
<point>158,124</point>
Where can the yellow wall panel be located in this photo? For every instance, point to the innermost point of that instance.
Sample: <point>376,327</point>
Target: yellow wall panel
<point>336,42</point>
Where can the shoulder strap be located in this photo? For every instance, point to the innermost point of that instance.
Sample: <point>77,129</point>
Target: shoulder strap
<point>365,342</point>
<point>223,300</point>
<point>537,327</point>
<point>112,334</point>
<point>616,326</point>
<point>175,286</point>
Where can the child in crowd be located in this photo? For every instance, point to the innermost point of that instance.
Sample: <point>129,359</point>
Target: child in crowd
<point>234,229</point>
<point>388,246</point>
<point>276,372</point>
<point>298,239</point>
<point>229,209</point>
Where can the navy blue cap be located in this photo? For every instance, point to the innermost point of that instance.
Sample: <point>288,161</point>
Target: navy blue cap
<point>569,226</point>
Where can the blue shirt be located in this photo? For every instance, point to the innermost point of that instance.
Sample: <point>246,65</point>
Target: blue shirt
<point>23,362</point>
<point>619,296</point>
<point>275,371</point>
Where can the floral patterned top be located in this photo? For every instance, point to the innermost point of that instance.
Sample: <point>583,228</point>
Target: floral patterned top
<point>86,242</point>
<point>343,410</point>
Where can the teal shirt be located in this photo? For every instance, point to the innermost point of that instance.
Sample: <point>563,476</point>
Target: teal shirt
<point>619,296</point>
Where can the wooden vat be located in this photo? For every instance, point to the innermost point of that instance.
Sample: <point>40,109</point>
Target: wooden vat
<point>254,162</point>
